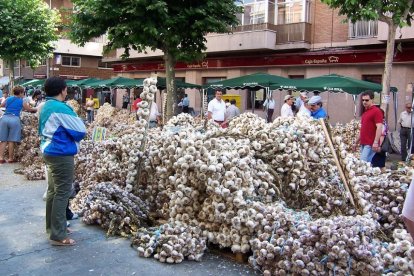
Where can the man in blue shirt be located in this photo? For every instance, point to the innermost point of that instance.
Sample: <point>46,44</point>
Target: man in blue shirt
<point>317,111</point>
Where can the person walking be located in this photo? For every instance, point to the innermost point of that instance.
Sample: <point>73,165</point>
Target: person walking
<point>269,104</point>
<point>317,111</point>
<point>90,109</point>
<point>371,128</point>
<point>406,122</point>
<point>217,108</point>
<point>60,130</point>
<point>286,110</point>
<point>10,124</point>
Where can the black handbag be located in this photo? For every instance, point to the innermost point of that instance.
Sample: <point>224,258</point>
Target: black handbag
<point>386,145</point>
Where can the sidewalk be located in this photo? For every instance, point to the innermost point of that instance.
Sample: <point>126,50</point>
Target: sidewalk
<point>24,247</point>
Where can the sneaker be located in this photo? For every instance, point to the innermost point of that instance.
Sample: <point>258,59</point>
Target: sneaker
<point>67,223</point>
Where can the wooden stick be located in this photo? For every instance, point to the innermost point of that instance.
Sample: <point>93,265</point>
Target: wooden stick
<point>335,156</point>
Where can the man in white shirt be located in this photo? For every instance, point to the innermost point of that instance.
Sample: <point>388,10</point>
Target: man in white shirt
<point>270,105</point>
<point>286,110</point>
<point>217,109</point>
<point>154,116</point>
<point>304,109</point>
<point>405,123</point>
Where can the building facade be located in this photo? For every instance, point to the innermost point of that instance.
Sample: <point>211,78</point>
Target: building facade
<point>68,61</point>
<point>295,39</point>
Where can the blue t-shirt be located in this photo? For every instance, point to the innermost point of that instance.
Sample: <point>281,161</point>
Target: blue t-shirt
<point>14,105</point>
<point>320,113</point>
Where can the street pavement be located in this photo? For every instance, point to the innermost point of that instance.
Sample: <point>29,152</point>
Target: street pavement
<point>25,250</point>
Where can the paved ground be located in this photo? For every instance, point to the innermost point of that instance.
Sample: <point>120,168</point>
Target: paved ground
<point>24,247</point>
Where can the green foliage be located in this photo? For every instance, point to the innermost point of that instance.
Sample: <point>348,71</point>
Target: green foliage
<point>176,27</point>
<point>356,10</point>
<point>27,30</point>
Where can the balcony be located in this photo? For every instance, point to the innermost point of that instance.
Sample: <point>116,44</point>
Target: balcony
<point>254,27</point>
<point>293,33</point>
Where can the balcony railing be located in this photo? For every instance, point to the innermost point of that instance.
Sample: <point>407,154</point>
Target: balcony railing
<point>295,32</point>
<point>363,29</point>
<point>254,27</point>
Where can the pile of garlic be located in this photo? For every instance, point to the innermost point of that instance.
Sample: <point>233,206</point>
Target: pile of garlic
<point>349,132</point>
<point>28,151</point>
<point>75,106</point>
<point>114,209</point>
<point>170,243</point>
<point>253,186</point>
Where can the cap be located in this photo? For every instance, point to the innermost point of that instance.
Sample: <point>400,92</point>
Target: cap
<point>315,100</point>
<point>287,97</point>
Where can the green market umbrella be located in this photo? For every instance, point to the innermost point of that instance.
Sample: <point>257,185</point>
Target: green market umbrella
<point>82,82</point>
<point>334,83</point>
<point>253,81</point>
<point>118,82</point>
<point>34,83</point>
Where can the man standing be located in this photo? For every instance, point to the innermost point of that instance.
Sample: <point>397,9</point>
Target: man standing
<point>300,100</point>
<point>217,108</point>
<point>371,128</point>
<point>185,103</point>
<point>232,111</point>
<point>270,105</point>
<point>405,123</point>
<point>317,112</point>
<point>125,100</point>
<point>286,110</point>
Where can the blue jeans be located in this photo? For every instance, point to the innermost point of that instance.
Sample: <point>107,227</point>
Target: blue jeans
<point>90,115</point>
<point>367,153</point>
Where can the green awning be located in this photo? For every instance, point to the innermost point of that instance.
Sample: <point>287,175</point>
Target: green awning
<point>118,82</point>
<point>334,83</point>
<point>34,83</point>
<point>253,81</point>
<point>80,83</point>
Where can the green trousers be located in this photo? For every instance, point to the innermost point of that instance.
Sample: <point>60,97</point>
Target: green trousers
<point>60,171</point>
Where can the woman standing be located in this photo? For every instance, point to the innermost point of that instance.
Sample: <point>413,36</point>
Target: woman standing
<point>10,125</point>
<point>61,130</point>
<point>90,108</point>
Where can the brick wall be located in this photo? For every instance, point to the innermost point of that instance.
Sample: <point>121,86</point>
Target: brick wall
<point>327,25</point>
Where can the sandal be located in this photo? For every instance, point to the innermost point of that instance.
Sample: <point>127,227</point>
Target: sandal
<point>64,242</point>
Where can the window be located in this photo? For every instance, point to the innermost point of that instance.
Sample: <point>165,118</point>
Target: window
<point>71,61</point>
<point>43,62</point>
<point>363,29</point>
<point>102,64</point>
<point>292,11</point>
<point>17,64</point>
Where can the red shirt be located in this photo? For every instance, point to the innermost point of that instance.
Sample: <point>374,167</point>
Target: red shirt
<point>135,104</point>
<point>369,119</point>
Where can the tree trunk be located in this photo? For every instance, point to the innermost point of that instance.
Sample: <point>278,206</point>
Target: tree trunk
<point>11,76</point>
<point>170,83</point>
<point>389,57</point>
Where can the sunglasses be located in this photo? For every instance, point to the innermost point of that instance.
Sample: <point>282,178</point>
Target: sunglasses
<point>365,100</point>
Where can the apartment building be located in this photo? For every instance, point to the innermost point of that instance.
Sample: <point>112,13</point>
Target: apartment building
<point>68,61</point>
<point>290,38</point>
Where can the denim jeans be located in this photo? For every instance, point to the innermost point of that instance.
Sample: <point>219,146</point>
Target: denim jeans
<point>90,116</point>
<point>367,153</point>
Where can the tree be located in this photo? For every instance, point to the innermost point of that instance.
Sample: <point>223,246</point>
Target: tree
<point>175,27</point>
<point>395,13</point>
<point>28,31</point>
